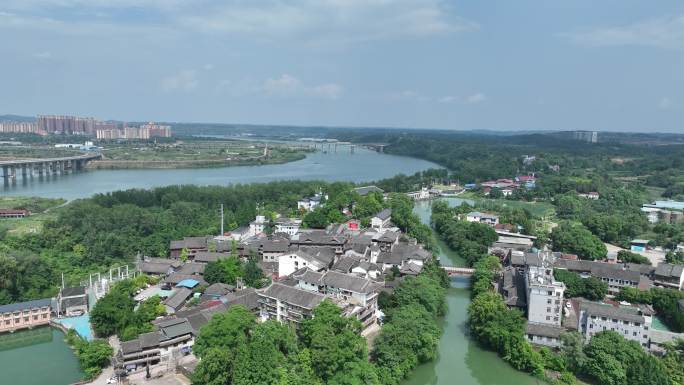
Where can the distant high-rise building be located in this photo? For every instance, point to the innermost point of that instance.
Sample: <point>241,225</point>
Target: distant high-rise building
<point>20,128</point>
<point>62,124</point>
<point>157,130</point>
<point>586,136</point>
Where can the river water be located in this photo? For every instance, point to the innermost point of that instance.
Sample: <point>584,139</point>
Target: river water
<point>37,357</point>
<point>461,361</point>
<point>362,166</point>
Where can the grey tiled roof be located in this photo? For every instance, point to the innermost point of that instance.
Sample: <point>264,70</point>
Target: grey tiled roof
<point>403,252</point>
<point>219,289</point>
<point>36,303</point>
<point>384,214</point>
<point>73,291</point>
<point>210,256</point>
<point>155,268</point>
<point>543,330</point>
<point>346,263</point>
<point>298,297</point>
<point>149,340</point>
<point>174,328</point>
<point>614,271</point>
<point>178,298</point>
<point>308,276</point>
<point>191,268</point>
<point>669,270</point>
<point>348,282</point>
<point>610,311</point>
<point>132,346</point>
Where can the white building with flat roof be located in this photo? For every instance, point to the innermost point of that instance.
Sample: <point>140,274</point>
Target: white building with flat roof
<point>544,294</point>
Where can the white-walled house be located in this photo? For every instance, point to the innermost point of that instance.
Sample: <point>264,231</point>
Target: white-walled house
<point>381,219</point>
<point>289,226</point>
<point>290,262</point>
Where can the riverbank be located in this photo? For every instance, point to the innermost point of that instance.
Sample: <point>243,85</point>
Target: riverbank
<point>178,164</point>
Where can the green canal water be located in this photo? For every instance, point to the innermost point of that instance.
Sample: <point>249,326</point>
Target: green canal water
<point>461,361</point>
<point>37,357</point>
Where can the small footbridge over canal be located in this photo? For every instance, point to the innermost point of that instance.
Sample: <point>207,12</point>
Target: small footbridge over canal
<point>464,271</point>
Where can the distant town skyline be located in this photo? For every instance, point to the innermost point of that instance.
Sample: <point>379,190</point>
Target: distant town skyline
<point>485,65</point>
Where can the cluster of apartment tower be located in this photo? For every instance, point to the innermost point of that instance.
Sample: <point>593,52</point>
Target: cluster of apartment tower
<point>74,125</point>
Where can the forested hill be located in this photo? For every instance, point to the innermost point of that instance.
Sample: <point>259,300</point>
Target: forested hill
<point>473,156</point>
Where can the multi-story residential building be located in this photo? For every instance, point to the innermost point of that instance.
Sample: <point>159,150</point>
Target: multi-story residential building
<point>287,304</point>
<point>289,226</point>
<point>258,225</point>
<point>156,130</point>
<point>314,259</point>
<point>173,338</point>
<point>633,323</point>
<point>669,275</point>
<point>66,124</point>
<point>544,294</point>
<point>21,128</point>
<point>22,315</point>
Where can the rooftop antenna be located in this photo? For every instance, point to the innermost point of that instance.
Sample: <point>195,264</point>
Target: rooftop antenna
<point>222,219</point>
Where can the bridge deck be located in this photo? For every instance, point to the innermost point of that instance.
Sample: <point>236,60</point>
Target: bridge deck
<point>20,162</point>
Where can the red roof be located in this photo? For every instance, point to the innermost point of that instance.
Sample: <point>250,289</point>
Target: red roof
<point>14,211</point>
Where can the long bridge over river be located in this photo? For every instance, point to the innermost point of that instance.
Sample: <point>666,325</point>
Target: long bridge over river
<point>29,167</point>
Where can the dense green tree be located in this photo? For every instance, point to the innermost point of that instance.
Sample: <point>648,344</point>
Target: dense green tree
<point>214,368</point>
<point>225,330</point>
<point>424,291</point>
<point>590,288</point>
<point>225,270</point>
<point>576,239</point>
<point>625,256</point>
<point>329,334</point>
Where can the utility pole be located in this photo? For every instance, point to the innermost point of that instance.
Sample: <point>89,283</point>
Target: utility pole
<point>222,219</point>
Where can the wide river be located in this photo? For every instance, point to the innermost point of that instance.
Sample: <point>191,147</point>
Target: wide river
<point>362,166</point>
<point>461,361</point>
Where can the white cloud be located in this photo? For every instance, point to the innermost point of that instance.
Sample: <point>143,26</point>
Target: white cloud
<point>448,99</point>
<point>329,91</point>
<point>42,55</point>
<point>309,21</point>
<point>208,67</point>
<point>289,86</point>
<point>409,95</point>
<point>336,20</point>
<point>476,98</point>
<point>665,32</point>
<point>184,80</point>
<point>665,103</point>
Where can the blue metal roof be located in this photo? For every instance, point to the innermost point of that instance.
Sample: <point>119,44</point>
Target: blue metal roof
<point>189,283</point>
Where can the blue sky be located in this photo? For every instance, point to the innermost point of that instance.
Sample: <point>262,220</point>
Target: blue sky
<point>480,64</point>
